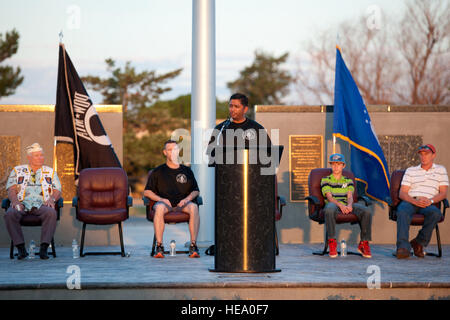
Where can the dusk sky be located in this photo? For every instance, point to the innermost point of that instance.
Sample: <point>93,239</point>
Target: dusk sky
<point>156,35</point>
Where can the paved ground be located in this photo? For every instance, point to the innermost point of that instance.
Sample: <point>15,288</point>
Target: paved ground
<point>299,269</point>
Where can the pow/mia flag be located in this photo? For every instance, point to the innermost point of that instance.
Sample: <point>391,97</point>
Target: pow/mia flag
<point>77,121</point>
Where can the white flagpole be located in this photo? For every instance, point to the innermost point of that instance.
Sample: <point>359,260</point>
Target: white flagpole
<point>203,109</point>
<point>334,143</point>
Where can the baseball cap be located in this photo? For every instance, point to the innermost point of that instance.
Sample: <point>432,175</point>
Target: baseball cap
<point>35,147</point>
<point>337,157</point>
<point>427,147</point>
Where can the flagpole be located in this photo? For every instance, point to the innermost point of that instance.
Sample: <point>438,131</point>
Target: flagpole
<point>334,143</point>
<point>334,107</point>
<point>55,162</point>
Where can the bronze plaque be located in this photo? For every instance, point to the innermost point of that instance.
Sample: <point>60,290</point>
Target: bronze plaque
<point>305,154</point>
<point>9,158</point>
<point>65,168</point>
<point>400,151</point>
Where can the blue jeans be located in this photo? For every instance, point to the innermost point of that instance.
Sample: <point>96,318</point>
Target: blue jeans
<point>362,212</point>
<point>405,212</point>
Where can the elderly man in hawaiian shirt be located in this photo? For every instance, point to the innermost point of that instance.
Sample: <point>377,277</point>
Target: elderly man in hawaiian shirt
<point>32,189</point>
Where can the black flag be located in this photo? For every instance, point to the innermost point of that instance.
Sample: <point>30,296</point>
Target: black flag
<point>77,121</point>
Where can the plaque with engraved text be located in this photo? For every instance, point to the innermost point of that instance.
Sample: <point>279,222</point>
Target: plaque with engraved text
<point>65,168</point>
<point>9,158</point>
<point>305,154</point>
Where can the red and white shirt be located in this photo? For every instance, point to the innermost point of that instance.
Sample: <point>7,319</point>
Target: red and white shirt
<point>425,183</point>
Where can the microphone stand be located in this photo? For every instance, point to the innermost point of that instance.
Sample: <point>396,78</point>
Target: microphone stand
<point>224,126</point>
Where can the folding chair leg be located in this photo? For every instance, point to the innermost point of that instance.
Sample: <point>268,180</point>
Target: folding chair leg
<point>122,249</point>
<point>11,251</point>
<point>438,240</point>
<point>82,240</point>
<point>438,237</point>
<point>325,248</point>
<point>53,248</point>
<point>277,249</point>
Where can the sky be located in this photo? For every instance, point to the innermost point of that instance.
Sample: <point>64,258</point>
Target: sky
<point>156,35</point>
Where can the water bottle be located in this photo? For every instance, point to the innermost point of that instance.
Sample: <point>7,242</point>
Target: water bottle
<point>31,250</point>
<point>75,251</point>
<point>343,248</point>
<point>173,246</point>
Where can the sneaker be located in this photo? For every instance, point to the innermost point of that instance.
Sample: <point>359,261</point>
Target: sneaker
<point>364,249</point>
<point>159,251</point>
<point>332,245</point>
<point>193,251</point>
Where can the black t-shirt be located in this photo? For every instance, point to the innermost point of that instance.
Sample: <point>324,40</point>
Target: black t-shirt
<point>248,133</point>
<point>172,184</point>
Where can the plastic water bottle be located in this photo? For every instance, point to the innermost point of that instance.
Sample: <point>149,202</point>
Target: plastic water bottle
<point>173,246</point>
<point>75,251</point>
<point>343,248</point>
<point>31,250</point>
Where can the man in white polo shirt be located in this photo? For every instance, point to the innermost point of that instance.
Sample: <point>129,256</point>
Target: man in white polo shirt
<point>421,187</point>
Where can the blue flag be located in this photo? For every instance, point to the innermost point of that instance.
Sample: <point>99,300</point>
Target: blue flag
<point>352,124</point>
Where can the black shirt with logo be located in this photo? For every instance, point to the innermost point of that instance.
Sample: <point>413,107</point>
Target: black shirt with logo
<point>246,134</point>
<point>172,184</point>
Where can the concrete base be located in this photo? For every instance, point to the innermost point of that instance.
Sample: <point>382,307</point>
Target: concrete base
<point>330,291</point>
<point>303,276</point>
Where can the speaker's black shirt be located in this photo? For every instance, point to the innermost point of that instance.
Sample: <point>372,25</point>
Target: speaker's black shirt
<point>246,134</point>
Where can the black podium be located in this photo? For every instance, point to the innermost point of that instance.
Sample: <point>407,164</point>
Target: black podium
<point>245,210</point>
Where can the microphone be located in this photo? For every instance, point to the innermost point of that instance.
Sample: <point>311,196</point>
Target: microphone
<point>224,126</point>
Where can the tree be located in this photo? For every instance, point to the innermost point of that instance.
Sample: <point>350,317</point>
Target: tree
<point>264,82</point>
<point>10,78</point>
<point>389,66</point>
<point>180,107</point>
<point>128,87</point>
<point>424,35</point>
<point>145,128</point>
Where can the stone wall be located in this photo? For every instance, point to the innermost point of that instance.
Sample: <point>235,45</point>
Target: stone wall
<point>22,125</point>
<point>400,130</point>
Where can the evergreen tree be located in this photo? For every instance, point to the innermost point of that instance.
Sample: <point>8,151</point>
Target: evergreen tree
<point>10,78</point>
<point>263,82</point>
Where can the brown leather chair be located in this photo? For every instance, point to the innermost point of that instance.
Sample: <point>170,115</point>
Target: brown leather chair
<point>280,202</point>
<point>34,221</point>
<point>417,220</point>
<point>316,201</point>
<point>171,217</point>
<point>102,199</point>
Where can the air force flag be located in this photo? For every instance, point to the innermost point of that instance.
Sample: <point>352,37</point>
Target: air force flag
<point>352,124</point>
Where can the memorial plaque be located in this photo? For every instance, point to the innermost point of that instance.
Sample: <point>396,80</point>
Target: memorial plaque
<point>10,157</point>
<point>400,151</point>
<point>305,154</point>
<point>65,168</point>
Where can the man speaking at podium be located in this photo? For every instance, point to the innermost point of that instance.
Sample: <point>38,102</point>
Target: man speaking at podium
<point>244,131</point>
<point>241,152</point>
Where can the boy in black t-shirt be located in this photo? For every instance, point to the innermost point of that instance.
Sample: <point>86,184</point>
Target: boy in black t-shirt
<point>173,187</point>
